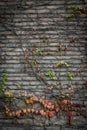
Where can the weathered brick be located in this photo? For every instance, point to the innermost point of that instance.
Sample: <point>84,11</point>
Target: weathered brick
<point>39,128</point>
<point>12,128</point>
<point>54,128</point>
<point>85,103</point>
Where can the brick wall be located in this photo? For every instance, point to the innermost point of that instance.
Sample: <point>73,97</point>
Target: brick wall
<point>43,24</point>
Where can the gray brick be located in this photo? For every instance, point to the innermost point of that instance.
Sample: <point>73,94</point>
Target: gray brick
<point>85,103</point>
<point>12,128</point>
<point>39,128</point>
<point>53,128</point>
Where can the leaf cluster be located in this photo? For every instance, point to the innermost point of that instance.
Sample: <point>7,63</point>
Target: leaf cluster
<point>3,82</point>
<point>51,74</point>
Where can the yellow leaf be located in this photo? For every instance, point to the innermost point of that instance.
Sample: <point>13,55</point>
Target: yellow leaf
<point>8,93</point>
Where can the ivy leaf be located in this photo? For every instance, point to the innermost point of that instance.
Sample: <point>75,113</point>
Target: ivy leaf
<point>60,63</point>
<point>32,63</point>
<point>51,74</point>
<point>70,76</point>
<point>70,15</point>
<point>70,116</point>
<point>8,93</point>
<point>18,86</point>
<point>85,81</point>
<point>5,75</point>
<point>79,12</point>
<point>62,96</point>
<point>74,7</point>
<point>2,84</point>
<point>66,64</point>
<point>39,51</point>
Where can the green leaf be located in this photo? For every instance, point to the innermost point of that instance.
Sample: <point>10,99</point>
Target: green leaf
<point>2,84</point>
<point>51,74</point>
<point>60,63</point>
<point>39,51</point>
<point>74,7</point>
<point>18,86</point>
<point>32,63</point>
<point>70,15</point>
<point>62,96</point>
<point>70,76</point>
<point>66,64</point>
<point>79,12</point>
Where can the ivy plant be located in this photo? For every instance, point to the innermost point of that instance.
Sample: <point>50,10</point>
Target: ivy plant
<point>38,51</point>
<point>7,93</point>
<point>51,74</point>
<point>32,63</point>
<point>70,15</point>
<point>61,63</point>
<point>62,96</point>
<point>76,11</point>
<point>70,76</point>
<point>3,82</point>
<point>74,7</point>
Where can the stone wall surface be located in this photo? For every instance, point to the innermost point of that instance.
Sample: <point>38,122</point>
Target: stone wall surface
<point>43,25</point>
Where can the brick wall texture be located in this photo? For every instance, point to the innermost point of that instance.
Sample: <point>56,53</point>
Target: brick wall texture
<point>42,25</point>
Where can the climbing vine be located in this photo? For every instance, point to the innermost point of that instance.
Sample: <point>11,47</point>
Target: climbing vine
<point>77,11</point>
<point>62,102</point>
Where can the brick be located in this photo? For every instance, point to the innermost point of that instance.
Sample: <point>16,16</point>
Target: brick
<point>85,103</point>
<point>39,128</point>
<point>53,128</point>
<point>82,128</point>
<point>12,128</point>
<point>68,128</point>
<point>25,121</point>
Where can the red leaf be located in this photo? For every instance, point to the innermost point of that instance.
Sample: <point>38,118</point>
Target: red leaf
<point>70,115</point>
<point>85,81</point>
